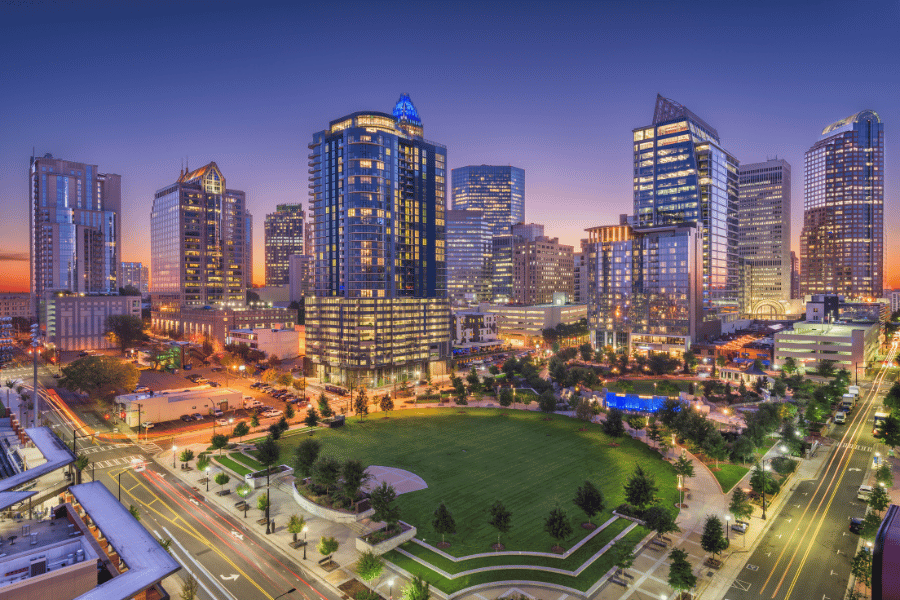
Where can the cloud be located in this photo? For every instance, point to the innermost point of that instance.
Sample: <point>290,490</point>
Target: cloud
<point>14,257</point>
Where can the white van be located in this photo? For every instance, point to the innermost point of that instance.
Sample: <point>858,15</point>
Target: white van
<point>864,492</point>
<point>840,418</point>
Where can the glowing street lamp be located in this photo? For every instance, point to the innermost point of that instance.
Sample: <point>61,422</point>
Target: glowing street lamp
<point>174,449</point>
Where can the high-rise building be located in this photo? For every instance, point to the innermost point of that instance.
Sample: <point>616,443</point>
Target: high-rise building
<point>581,278</point>
<point>136,275</point>
<point>284,237</point>
<point>842,241</point>
<point>301,277</point>
<point>248,248</point>
<point>503,250</point>
<point>377,195</point>
<point>542,267</point>
<point>468,257</point>
<point>764,236</point>
<point>75,218</point>
<point>198,242</point>
<point>498,192</point>
<point>645,286</point>
<point>795,276</point>
<point>682,174</point>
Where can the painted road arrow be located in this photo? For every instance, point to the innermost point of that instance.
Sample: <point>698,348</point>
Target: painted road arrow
<point>232,577</point>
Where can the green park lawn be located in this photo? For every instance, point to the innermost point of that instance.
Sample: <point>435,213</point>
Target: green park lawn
<point>728,475</point>
<point>246,460</point>
<point>471,457</point>
<point>231,464</point>
<point>644,387</point>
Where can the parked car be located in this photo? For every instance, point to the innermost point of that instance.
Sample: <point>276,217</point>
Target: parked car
<point>864,492</point>
<point>217,412</point>
<point>197,416</point>
<point>141,389</point>
<point>855,525</point>
<point>272,413</point>
<point>186,418</point>
<point>251,403</point>
<point>214,383</point>
<point>148,424</point>
<point>217,369</point>
<point>740,526</point>
<point>222,422</point>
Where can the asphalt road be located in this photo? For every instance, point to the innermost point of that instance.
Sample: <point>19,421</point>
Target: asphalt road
<point>807,551</point>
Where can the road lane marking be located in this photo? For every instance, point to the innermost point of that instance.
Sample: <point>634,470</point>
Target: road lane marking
<point>199,566</point>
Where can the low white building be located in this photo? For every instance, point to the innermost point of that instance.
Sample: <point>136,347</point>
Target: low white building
<point>283,343</point>
<point>170,405</point>
<point>850,346</point>
<point>524,325</point>
<point>78,322</point>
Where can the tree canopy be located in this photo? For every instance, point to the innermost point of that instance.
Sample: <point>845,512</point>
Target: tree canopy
<point>99,376</point>
<point>127,329</point>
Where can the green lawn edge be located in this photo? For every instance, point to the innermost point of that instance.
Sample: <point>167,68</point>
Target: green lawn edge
<point>246,460</point>
<point>570,563</point>
<point>230,464</point>
<point>728,476</point>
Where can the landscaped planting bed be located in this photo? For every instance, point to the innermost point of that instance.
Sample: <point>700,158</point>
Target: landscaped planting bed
<point>230,464</point>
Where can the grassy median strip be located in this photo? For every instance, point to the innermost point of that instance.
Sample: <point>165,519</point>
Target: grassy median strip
<point>246,460</point>
<point>230,464</point>
<point>570,563</point>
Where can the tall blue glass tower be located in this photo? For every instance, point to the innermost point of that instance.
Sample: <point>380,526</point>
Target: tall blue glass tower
<point>497,191</point>
<point>682,174</point>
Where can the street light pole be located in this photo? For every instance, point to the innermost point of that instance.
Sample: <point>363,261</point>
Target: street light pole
<point>174,448</point>
<point>305,529</point>
<point>765,479</point>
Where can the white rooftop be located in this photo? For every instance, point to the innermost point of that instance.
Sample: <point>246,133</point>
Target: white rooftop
<point>148,562</point>
<point>56,454</point>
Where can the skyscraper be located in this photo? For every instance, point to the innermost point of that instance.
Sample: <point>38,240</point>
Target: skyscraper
<point>284,237</point>
<point>542,267</point>
<point>248,248</point>
<point>377,195</point>
<point>498,192</point>
<point>503,251</point>
<point>75,218</point>
<point>842,241</point>
<point>136,275</point>
<point>198,242</point>
<point>795,276</point>
<point>468,257</point>
<point>764,236</point>
<point>682,174</point>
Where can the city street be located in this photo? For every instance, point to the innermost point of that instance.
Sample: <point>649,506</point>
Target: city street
<point>807,550</point>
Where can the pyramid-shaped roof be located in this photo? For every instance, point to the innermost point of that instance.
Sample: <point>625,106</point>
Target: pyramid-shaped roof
<point>404,110</point>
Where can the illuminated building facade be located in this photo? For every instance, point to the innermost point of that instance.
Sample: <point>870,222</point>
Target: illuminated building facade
<point>136,275</point>
<point>75,218</point>
<point>468,257</point>
<point>542,267</point>
<point>497,191</point>
<point>645,286</point>
<point>198,242</point>
<point>377,196</point>
<point>683,175</point>
<point>764,236</point>
<point>503,251</point>
<point>284,237</point>
<point>842,241</point>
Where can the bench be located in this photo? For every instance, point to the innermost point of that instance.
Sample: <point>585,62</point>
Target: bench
<point>659,543</point>
<point>618,581</point>
<point>324,561</point>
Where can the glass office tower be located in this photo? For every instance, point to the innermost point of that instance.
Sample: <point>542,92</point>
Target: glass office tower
<point>284,237</point>
<point>75,218</point>
<point>764,236</point>
<point>842,241</point>
<point>197,242</point>
<point>377,196</point>
<point>683,175</point>
<point>498,192</point>
<point>468,257</point>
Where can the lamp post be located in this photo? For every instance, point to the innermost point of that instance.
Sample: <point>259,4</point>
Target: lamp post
<point>727,527</point>
<point>765,483</point>
<point>120,485</point>
<point>391,585</point>
<point>305,529</point>
<point>174,449</point>
<point>207,479</point>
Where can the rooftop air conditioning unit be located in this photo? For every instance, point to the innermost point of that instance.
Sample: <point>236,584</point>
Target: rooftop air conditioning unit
<point>38,567</point>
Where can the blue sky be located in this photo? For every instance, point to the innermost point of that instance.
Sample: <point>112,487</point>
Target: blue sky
<point>554,88</point>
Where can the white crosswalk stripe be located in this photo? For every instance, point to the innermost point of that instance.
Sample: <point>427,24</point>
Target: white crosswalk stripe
<point>151,448</point>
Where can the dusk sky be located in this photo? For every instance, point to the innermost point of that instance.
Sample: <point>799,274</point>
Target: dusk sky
<point>554,88</point>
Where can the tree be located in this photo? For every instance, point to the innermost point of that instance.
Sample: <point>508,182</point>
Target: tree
<point>890,431</point>
<point>387,403</point>
<point>826,368</point>
<point>222,479</point>
<point>613,425</point>
<point>267,452</point>
<point>506,397</point>
<point>654,432</point>
<point>473,381</point>
<point>685,467</point>
<point>262,502</point>
<point>500,519</point>
<point>443,522</point>
<point>681,577</point>
<point>289,412</point>
<point>369,566</point>
<point>660,520</point>
<point>305,455</point>
<point>240,430</point>
<point>861,567</point>
<point>547,401</point>
<point>295,525</point>
<point>189,588</point>
<point>361,402</point>
<point>884,475</point>
<point>640,489</point>
<point>583,411</point>
<point>219,442</point>
<point>186,456</point>
<point>99,375</point>
<point>80,465</point>
<point>713,538</point>
<point>324,408</point>
<point>418,589</point>
<point>557,525</point>
<point>327,546</point>
<point>879,499</point>
<point>587,352</point>
<point>203,462</point>
<point>870,525</point>
<point>459,389</point>
<point>254,420</point>
<point>311,419</point>
<point>354,476</point>
<point>135,512</point>
<point>622,555</point>
<point>382,498</point>
<point>127,329</point>
<point>243,489</point>
<point>715,447</point>
<point>690,362</point>
<point>761,481</point>
<point>326,471</point>
<point>589,499</point>
<point>789,366</point>
<point>740,505</point>
<point>742,449</point>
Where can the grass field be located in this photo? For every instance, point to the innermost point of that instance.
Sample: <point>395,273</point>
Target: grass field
<point>229,463</point>
<point>469,458</point>
<point>246,460</point>
<point>645,386</point>
<point>728,475</point>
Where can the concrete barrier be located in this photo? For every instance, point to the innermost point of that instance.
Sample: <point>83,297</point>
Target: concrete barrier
<point>329,514</point>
